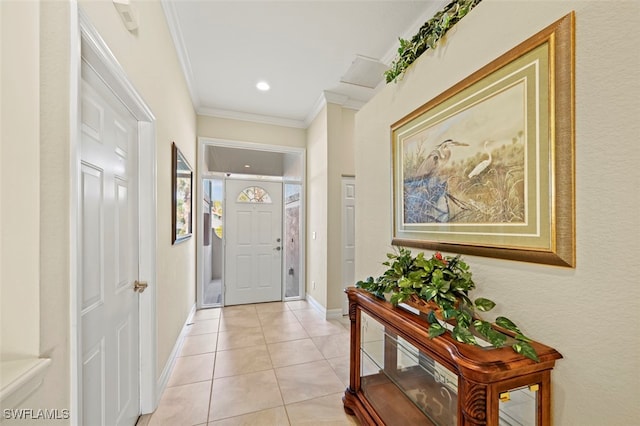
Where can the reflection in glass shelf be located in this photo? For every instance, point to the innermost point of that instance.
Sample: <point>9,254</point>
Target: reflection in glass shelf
<point>401,382</point>
<point>423,387</point>
<point>520,407</point>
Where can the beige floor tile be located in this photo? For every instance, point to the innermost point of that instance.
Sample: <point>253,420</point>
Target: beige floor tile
<point>183,405</point>
<point>271,417</point>
<point>248,393</point>
<point>298,304</point>
<point>341,366</point>
<point>144,420</point>
<point>323,328</point>
<point>238,322</point>
<point>293,352</point>
<point>234,339</point>
<point>192,369</point>
<point>250,341</point>
<point>271,319</point>
<point>345,321</point>
<point>307,381</point>
<point>205,314</point>
<point>203,327</point>
<point>308,315</point>
<point>241,361</point>
<point>284,332</point>
<point>333,345</point>
<point>271,307</point>
<point>326,410</point>
<point>199,344</point>
<point>238,310</point>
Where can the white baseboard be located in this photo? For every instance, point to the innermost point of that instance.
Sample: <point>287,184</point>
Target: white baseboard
<point>334,314</point>
<point>168,367</point>
<point>327,313</point>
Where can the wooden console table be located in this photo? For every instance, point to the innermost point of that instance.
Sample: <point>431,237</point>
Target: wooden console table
<point>399,376</point>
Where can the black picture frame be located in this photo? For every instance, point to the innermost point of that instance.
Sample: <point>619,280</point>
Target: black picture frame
<point>181,196</point>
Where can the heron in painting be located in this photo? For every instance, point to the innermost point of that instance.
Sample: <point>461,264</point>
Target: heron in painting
<point>426,195</point>
<point>438,157</point>
<point>481,166</point>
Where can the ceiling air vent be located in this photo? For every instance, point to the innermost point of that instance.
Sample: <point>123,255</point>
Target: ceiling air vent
<point>365,72</point>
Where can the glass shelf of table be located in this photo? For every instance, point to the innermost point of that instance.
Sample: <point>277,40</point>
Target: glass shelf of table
<point>400,381</point>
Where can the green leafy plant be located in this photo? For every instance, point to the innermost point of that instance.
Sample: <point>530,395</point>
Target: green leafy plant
<point>444,283</point>
<point>428,36</point>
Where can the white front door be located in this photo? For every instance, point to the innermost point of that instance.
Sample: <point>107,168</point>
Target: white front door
<point>108,267</point>
<point>253,235</point>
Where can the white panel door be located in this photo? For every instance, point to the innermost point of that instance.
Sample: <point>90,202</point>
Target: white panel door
<point>348,235</point>
<point>253,235</point>
<point>108,238</point>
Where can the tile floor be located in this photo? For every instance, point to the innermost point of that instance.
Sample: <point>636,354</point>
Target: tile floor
<point>264,364</point>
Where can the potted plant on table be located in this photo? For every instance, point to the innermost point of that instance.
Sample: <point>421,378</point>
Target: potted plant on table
<point>440,285</point>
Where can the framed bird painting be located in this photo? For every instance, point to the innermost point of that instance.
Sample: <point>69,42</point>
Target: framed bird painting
<point>487,167</point>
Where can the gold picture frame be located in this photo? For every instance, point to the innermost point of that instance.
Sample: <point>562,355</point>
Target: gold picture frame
<point>487,167</point>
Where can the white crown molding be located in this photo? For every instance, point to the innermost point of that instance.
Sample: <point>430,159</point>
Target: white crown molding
<point>315,110</point>
<point>432,9</point>
<point>354,104</point>
<point>328,97</point>
<point>334,98</point>
<point>256,118</point>
<point>178,41</point>
<point>342,100</point>
<point>324,98</point>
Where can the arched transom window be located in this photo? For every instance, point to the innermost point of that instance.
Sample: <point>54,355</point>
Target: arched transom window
<point>254,194</point>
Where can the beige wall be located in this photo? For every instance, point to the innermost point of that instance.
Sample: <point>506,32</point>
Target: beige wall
<point>330,155</point>
<point>148,57</point>
<point>150,64</point>
<point>340,162</point>
<point>54,201</point>
<point>591,314</point>
<point>246,131</point>
<point>317,183</point>
<point>19,180</point>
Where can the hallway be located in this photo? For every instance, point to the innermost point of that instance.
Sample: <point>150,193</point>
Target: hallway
<point>263,364</point>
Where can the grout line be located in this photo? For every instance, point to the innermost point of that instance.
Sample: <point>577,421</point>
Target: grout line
<point>273,368</point>
<point>213,371</point>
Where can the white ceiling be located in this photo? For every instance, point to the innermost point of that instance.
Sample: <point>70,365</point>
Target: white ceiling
<point>302,48</point>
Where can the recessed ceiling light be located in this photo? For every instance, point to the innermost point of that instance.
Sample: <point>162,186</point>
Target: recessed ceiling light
<point>247,166</point>
<point>263,86</point>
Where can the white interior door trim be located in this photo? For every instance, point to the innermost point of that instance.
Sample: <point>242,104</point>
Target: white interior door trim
<point>347,249</point>
<point>96,53</point>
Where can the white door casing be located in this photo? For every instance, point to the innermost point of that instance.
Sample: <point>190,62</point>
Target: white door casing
<point>348,235</point>
<point>253,243</point>
<point>109,255</point>
<point>89,47</point>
